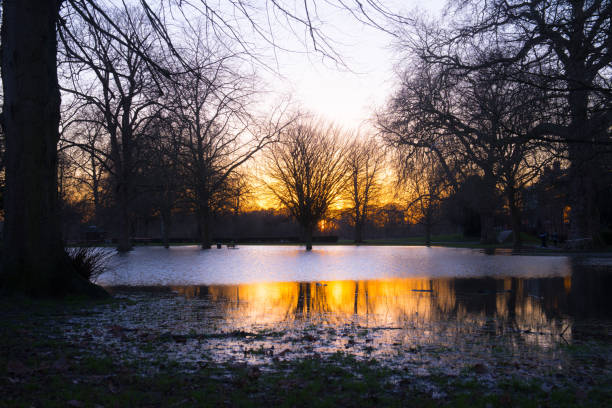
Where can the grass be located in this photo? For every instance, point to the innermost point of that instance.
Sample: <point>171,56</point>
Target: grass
<point>531,243</point>
<point>306,383</point>
<point>39,368</point>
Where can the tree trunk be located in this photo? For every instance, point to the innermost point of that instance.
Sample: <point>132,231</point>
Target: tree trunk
<point>515,215</point>
<point>487,228</point>
<point>95,187</point>
<point>124,244</point>
<point>34,258</point>
<point>487,211</point>
<point>358,232</point>
<point>166,222</point>
<point>584,216</point>
<point>428,225</point>
<point>308,237</point>
<point>204,227</point>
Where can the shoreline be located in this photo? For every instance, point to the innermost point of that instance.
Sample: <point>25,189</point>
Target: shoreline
<point>504,249</point>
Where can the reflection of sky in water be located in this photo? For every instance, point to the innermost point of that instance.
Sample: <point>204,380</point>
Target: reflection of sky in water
<point>192,266</point>
<point>465,306</point>
<point>428,309</point>
<point>428,324</point>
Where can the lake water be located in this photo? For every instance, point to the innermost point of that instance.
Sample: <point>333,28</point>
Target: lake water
<point>190,265</point>
<point>431,309</point>
<point>263,286</point>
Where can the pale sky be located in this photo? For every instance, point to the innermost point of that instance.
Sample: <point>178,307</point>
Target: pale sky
<point>347,97</point>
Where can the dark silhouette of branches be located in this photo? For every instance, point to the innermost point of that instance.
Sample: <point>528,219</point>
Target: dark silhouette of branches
<point>364,161</point>
<point>473,124</point>
<point>306,172</point>
<point>559,48</point>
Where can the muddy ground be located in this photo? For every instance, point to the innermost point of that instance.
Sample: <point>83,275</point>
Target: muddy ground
<point>153,348</point>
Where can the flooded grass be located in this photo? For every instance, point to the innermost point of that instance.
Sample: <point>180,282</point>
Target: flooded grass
<point>160,348</point>
<point>267,326</point>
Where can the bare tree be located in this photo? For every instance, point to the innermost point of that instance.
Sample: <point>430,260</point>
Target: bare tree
<point>124,93</point>
<point>162,177</point>
<point>476,123</point>
<point>219,133</point>
<point>424,185</point>
<point>306,172</point>
<point>364,162</point>
<point>83,137</point>
<point>33,255</point>
<point>34,258</point>
<point>565,45</point>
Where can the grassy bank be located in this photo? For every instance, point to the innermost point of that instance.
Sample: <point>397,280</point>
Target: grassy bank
<point>531,244</point>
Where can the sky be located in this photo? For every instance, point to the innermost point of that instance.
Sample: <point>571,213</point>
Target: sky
<point>346,95</point>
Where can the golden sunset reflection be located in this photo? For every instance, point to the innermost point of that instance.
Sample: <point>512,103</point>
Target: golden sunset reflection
<point>490,305</point>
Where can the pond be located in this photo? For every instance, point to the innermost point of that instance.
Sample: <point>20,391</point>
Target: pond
<point>438,309</point>
<point>189,265</point>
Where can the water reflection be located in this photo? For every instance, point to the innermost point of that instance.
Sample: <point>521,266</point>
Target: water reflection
<point>252,264</point>
<point>537,310</point>
<point>427,325</point>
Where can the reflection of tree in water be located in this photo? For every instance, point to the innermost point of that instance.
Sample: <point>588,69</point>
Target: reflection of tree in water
<point>309,304</point>
<point>303,301</point>
<point>523,310</point>
<point>590,300</point>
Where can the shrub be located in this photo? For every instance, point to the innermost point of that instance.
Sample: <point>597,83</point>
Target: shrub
<point>89,262</point>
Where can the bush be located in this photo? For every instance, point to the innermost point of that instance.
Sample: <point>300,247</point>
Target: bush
<point>89,262</point>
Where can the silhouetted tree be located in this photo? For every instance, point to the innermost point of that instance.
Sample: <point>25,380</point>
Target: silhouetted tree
<point>364,161</point>
<point>162,179</point>
<point>425,185</point>
<point>34,259</point>
<point>211,103</point>
<point>476,123</point>
<point>125,93</point>
<point>306,172</point>
<point>565,44</point>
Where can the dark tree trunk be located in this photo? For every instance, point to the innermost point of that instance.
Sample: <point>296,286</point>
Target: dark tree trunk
<point>428,225</point>
<point>204,227</point>
<point>34,258</point>
<point>487,211</point>
<point>124,243</point>
<point>584,216</point>
<point>487,227</point>
<point>95,187</point>
<point>515,215</point>
<point>308,237</point>
<point>358,232</point>
<point>166,222</point>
